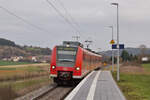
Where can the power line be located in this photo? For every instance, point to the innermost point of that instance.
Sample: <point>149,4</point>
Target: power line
<point>71,19</point>
<point>60,14</point>
<point>69,15</point>
<point>23,20</point>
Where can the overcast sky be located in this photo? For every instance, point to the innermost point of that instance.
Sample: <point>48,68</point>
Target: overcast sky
<point>92,16</point>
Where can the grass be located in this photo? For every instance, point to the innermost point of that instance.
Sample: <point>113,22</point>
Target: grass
<point>5,68</point>
<point>146,67</point>
<point>18,85</point>
<point>135,86</point>
<point>31,69</point>
<point>21,87</point>
<point>7,93</point>
<point>24,84</point>
<point>5,63</point>
<point>22,72</point>
<point>22,77</point>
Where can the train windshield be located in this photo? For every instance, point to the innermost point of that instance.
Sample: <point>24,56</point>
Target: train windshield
<point>66,56</point>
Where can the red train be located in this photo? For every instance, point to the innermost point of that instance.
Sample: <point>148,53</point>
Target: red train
<point>70,62</point>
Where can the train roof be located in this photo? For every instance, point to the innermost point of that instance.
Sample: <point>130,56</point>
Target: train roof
<point>78,44</point>
<point>91,52</point>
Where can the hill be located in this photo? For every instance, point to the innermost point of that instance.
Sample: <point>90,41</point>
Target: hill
<point>37,50</point>
<point>9,48</point>
<point>8,51</point>
<point>133,51</point>
<point>5,42</point>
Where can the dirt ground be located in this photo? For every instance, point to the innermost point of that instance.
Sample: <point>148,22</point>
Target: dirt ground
<point>132,69</point>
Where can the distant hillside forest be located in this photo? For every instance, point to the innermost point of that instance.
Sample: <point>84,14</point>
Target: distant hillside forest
<point>4,42</point>
<point>9,48</point>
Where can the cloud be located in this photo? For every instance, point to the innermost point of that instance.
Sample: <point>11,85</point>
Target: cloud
<point>93,17</point>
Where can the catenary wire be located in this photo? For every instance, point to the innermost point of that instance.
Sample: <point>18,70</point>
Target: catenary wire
<point>64,17</point>
<point>23,20</point>
<point>69,15</point>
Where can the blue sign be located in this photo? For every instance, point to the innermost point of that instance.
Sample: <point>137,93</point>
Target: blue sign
<point>114,46</point>
<point>121,46</point>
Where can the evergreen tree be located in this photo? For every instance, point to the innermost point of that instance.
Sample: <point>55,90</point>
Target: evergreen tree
<point>125,56</point>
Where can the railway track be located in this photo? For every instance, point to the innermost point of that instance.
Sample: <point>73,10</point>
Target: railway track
<point>59,93</point>
<point>51,92</point>
<point>44,92</point>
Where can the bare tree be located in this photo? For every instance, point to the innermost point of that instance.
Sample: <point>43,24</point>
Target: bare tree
<point>143,49</point>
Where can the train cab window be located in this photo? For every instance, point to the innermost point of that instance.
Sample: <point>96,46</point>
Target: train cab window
<point>66,57</point>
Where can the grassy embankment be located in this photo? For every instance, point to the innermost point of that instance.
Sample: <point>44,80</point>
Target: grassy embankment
<point>20,79</point>
<point>135,82</point>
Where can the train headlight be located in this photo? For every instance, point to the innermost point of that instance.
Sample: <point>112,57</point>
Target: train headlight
<point>53,67</point>
<point>77,68</point>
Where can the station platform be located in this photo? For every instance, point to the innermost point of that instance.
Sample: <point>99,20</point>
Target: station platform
<point>98,85</point>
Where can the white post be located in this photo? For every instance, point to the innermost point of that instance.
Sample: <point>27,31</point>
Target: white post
<point>112,49</point>
<point>112,60</point>
<point>118,70</point>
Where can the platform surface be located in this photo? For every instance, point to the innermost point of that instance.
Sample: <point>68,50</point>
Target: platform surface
<point>98,85</point>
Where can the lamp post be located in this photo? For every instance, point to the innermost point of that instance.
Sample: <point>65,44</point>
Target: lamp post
<point>112,49</point>
<point>118,73</point>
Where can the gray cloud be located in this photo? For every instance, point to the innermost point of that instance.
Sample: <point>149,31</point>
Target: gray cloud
<point>93,17</point>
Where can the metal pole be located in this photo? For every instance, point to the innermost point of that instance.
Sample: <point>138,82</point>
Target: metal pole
<point>112,52</point>
<point>112,49</point>
<point>118,73</point>
<point>112,60</point>
<point>112,33</point>
<point>118,70</point>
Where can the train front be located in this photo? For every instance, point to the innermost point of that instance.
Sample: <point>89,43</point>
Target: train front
<point>64,65</point>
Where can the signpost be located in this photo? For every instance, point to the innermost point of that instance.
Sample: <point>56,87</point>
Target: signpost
<point>118,72</point>
<point>114,46</point>
<point>112,42</point>
<point>121,46</point>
